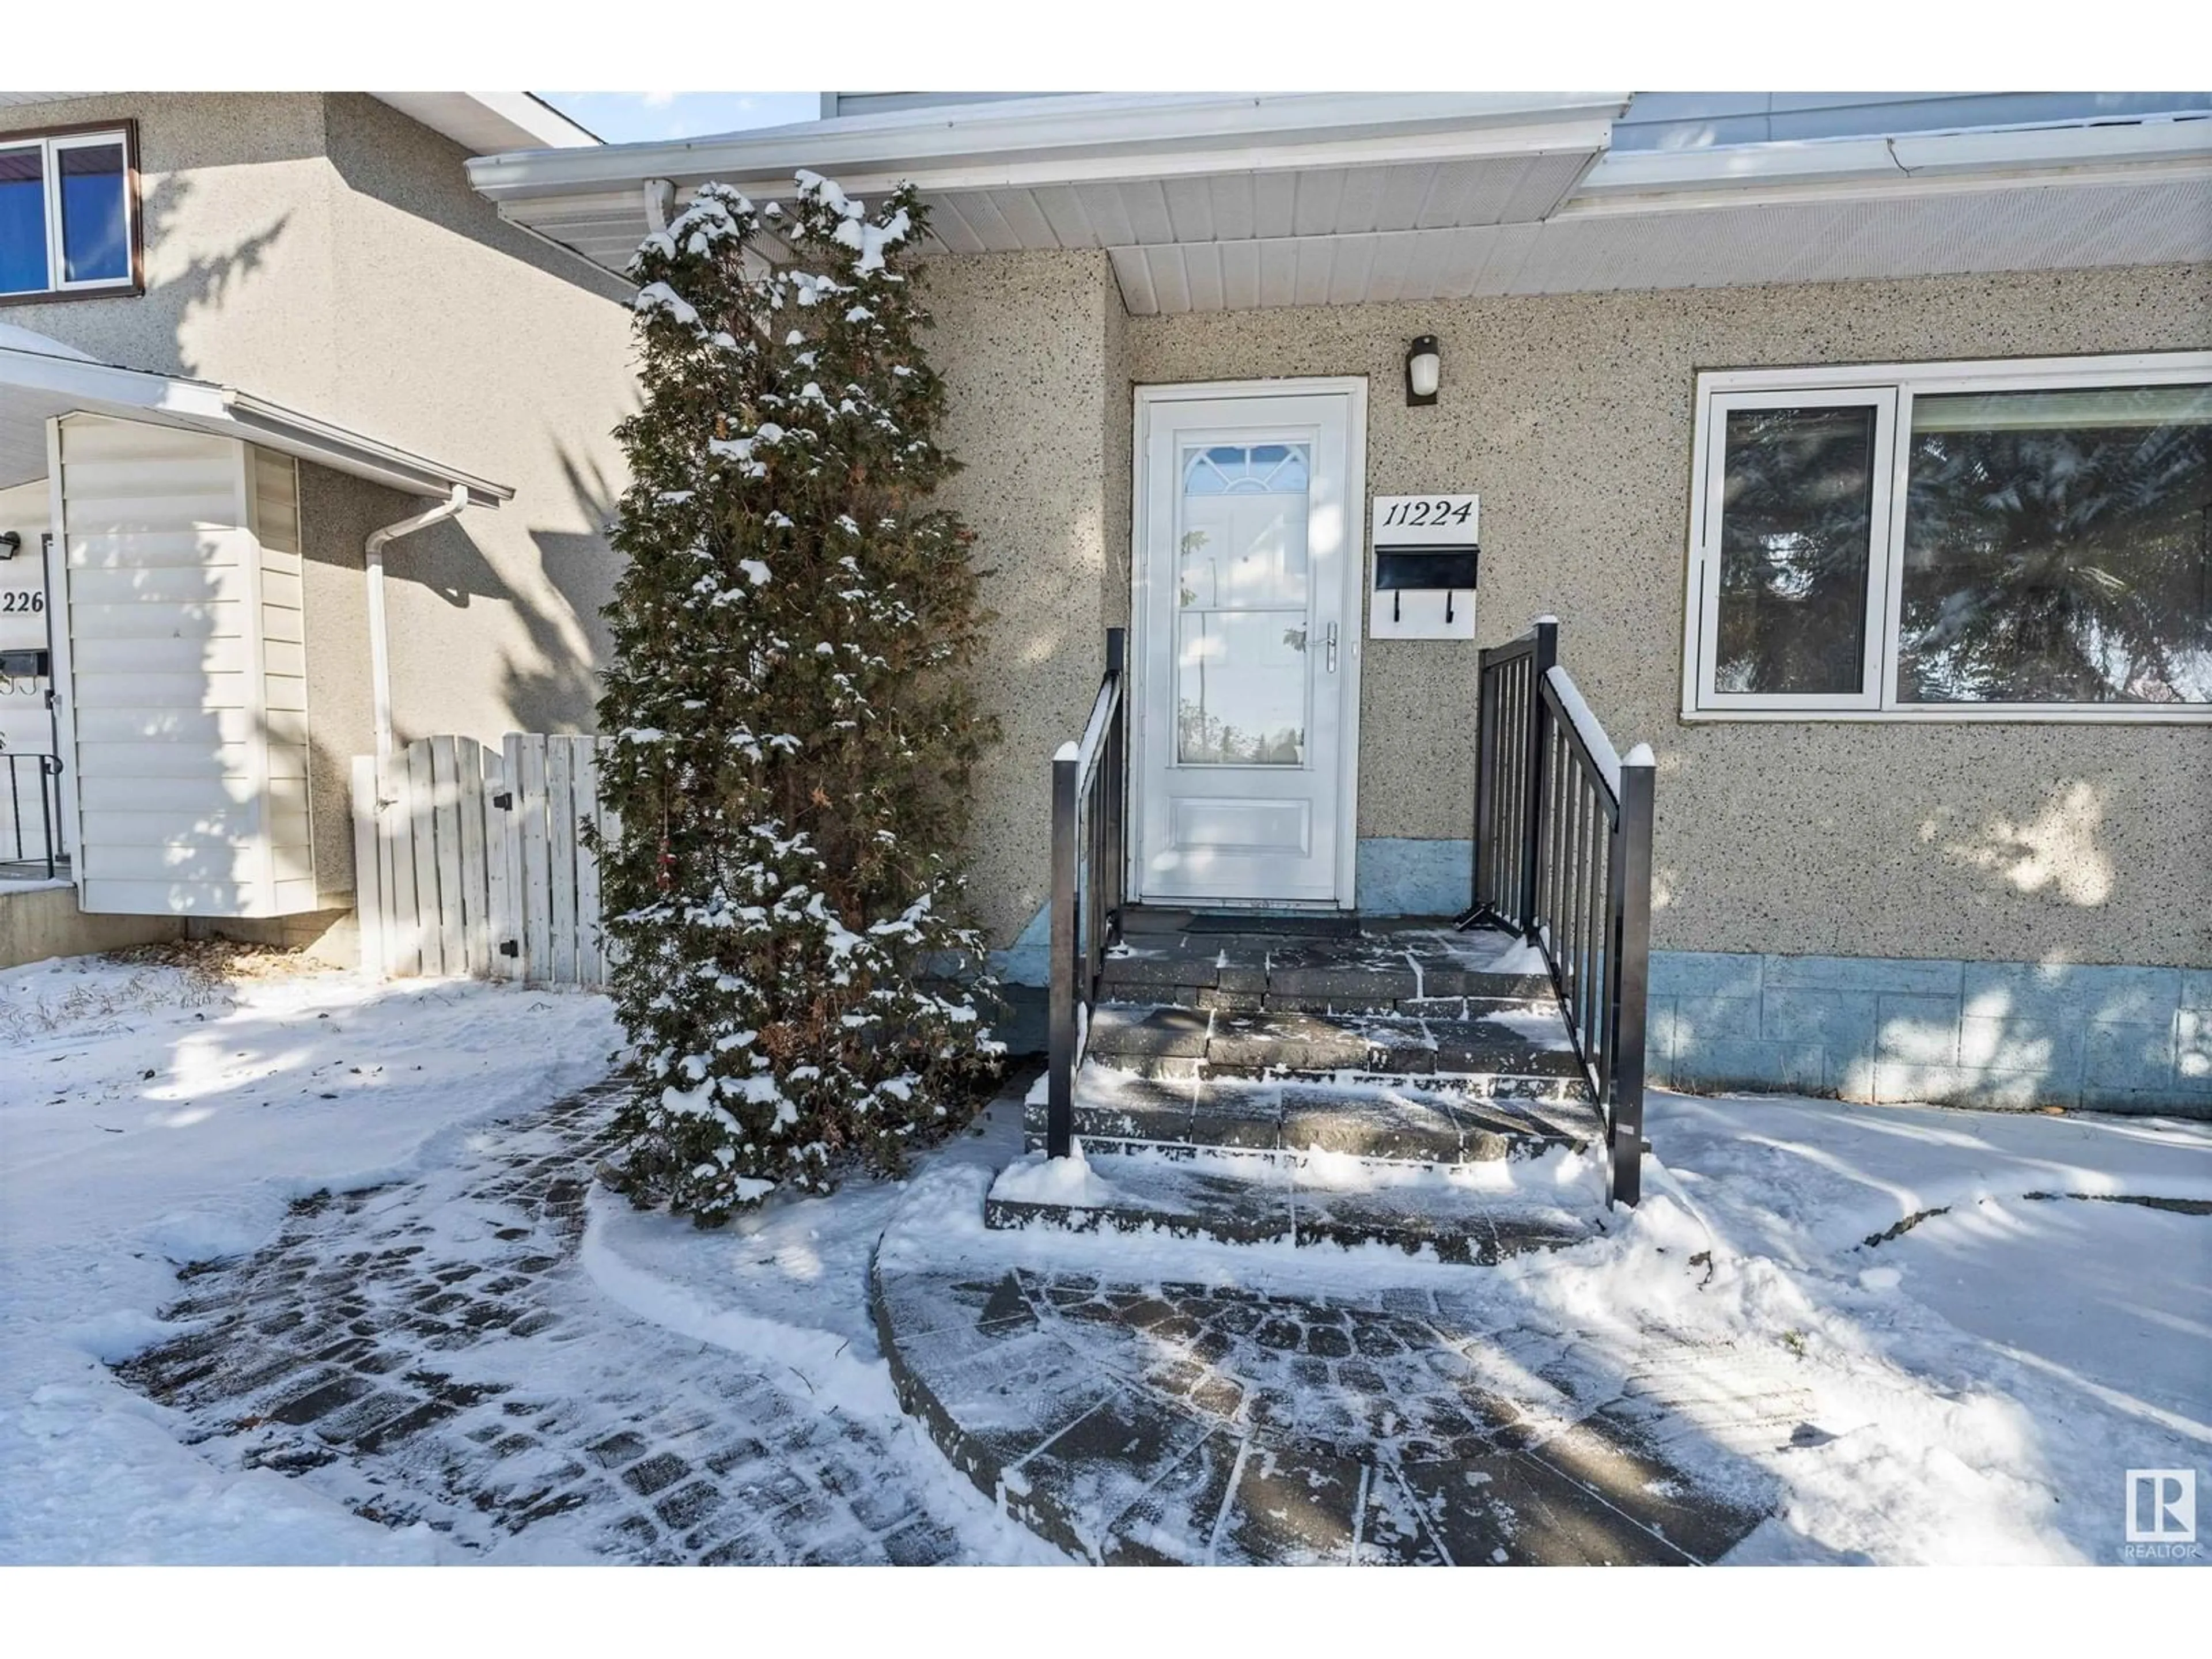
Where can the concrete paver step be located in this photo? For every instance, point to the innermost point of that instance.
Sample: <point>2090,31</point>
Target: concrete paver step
<point>1468,1040</point>
<point>1470,1214</point>
<point>1130,1418</point>
<point>1422,1118</point>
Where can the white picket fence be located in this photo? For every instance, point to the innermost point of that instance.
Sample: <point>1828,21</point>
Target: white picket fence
<point>468,859</point>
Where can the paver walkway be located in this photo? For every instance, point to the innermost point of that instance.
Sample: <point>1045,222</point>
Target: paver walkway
<point>1133,1420</point>
<point>432,1351</point>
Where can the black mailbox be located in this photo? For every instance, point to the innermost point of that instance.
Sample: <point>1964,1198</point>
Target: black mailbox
<point>1427,569</point>
<point>1426,550</point>
<point>26,665</point>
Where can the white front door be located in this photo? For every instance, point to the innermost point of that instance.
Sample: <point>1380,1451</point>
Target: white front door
<point>1245,689</point>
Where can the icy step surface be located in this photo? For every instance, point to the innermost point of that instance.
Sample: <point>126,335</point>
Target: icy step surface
<point>1470,1039</point>
<point>1477,1214</point>
<point>1202,963</point>
<point>1426,1120</point>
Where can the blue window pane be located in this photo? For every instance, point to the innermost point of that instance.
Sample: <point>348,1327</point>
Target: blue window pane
<point>22,223</point>
<point>95,235</point>
<point>1236,469</point>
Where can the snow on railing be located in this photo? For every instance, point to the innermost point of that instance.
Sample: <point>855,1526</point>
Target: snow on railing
<point>1563,857</point>
<point>1598,746</point>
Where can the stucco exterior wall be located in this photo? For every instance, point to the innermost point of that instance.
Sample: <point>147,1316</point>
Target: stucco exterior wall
<point>1038,412</point>
<point>491,352</point>
<point>325,252</point>
<point>1572,415</point>
<point>235,202</point>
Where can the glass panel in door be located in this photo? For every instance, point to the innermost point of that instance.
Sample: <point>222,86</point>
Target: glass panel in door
<point>1241,599</point>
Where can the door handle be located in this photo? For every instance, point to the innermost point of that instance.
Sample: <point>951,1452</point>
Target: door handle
<point>1332,647</point>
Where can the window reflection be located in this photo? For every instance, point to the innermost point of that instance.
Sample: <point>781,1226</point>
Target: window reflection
<point>1796,524</point>
<point>96,234</point>
<point>2058,548</point>
<point>23,221</point>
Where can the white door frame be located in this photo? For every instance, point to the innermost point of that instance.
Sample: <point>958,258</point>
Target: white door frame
<point>1353,387</point>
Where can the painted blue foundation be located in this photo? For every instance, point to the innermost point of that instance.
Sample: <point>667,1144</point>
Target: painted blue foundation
<point>2016,1035</point>
<point>1401,878</point>
<point>1027,960</point>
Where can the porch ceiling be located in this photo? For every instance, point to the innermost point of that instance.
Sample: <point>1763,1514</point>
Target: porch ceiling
<point>1117,173</point>
<point>2056,225</point>
<point>1210,203</point>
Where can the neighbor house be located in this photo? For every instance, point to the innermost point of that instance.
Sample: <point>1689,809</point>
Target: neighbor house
<point>1861,446</point>
<point>240,336</point>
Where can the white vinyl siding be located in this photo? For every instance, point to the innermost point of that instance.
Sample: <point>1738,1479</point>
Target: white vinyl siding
<point>274,500</point>
<point>187,671</point>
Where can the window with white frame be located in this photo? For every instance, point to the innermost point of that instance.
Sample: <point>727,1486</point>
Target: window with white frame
<point>2017,539</point>
<point>68,213</point>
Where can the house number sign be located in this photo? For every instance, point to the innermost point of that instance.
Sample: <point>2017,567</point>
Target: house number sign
<point>1427,551</point>
<point>1426,519</point>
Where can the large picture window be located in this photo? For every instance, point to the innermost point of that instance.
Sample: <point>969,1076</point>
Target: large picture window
<point>2016,540</point>
<point>68,214</point>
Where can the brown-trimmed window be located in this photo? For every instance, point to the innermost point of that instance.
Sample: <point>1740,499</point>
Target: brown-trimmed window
<point>69,213</point>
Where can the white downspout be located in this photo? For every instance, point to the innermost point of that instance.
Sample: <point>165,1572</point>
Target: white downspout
<point>380,647</point>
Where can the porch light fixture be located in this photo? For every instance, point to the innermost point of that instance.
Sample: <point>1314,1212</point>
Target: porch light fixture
<point>1423,369</point>
<point>10,544</point>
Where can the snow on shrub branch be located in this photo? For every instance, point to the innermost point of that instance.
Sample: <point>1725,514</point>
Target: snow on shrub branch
<point>795,632</point>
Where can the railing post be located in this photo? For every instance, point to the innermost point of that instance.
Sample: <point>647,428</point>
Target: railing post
<point>1540,663</point>
<point>1060,1087</point>
<point>1632,971</point>
<point>1485,786</point>
<point>50,809</point>
<point>1116,762</point>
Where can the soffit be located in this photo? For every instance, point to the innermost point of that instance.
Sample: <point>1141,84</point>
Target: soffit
<point>1208,204</point>
<point>2054,227</point>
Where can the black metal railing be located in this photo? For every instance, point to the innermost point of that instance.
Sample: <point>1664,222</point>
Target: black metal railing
<point>1090,846</point>
<point>1563,857</point>
<point>33,833</point>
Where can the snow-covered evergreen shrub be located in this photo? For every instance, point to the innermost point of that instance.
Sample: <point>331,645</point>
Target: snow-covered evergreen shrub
<point>794,721</point>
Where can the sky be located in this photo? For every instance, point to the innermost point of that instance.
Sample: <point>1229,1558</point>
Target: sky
<point>624,117</point>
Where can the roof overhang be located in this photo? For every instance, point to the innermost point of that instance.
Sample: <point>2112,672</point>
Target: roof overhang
<point>1213,202</point>
<point>1097,171</point>
<point>37,384</point>
<point>2082,152</point>
<point>483,122</point>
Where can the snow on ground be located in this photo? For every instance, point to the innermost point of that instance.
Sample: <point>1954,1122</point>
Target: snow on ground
<point>1979,1382</point>
<point>1992,1371</point>
<point>1036,1179</point>
<point>148,1118</point>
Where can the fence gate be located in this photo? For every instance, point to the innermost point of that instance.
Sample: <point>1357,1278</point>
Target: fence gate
<point>469,861</point>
